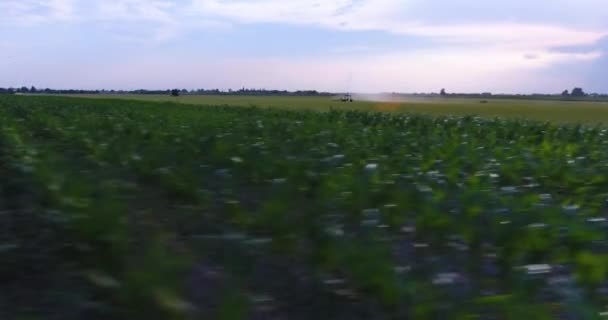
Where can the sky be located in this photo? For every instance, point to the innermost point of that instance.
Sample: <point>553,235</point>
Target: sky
<point>514,46</point>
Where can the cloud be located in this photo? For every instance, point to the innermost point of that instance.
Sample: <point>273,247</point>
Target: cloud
<point>61,10</point>
<point>6,45</point>
<point>165,19</point>
<point>568,13</point>
<point>151,20</point>
<point>294,11</point>
<point>393,16</point>
<point>425,70</point>
<point>466,50</point>
<point>531,56</point>
<point>136,10</point>
<point>131,20</point>
<point>468,43</point>
<point>34,12</point>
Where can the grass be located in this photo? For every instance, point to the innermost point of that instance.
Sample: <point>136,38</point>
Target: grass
<point>542,110</point>
<point>123,209</point>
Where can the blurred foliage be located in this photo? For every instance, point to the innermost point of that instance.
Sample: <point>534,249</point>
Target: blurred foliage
<point>137,210</point>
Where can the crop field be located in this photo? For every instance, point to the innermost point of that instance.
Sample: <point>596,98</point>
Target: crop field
<point>121,209</point>
<point>543,110</point>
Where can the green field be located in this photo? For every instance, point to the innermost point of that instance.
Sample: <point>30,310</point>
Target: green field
<point>122,209</point>
<point>543,110</point>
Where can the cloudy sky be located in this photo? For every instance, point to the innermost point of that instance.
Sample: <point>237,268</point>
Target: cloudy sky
<point>356,45</point>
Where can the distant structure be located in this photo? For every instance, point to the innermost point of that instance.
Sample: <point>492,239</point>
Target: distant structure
<point>347,98</point>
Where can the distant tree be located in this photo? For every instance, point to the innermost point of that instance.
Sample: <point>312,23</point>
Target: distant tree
<point>566,93</point>
<point>175,92</point>
<point>33,89</point>
<point>578,92</point>
<point>442,92</point>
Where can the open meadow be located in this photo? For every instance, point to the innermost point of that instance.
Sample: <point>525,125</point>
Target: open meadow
<point>125,209</point>
<point>543,110</point>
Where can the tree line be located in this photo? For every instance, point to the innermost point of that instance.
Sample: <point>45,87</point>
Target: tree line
<point>576,93</point>
<point>173,92</point>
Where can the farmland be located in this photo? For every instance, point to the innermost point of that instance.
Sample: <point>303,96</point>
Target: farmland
<point>543,110</point>
<point>124,209</point>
